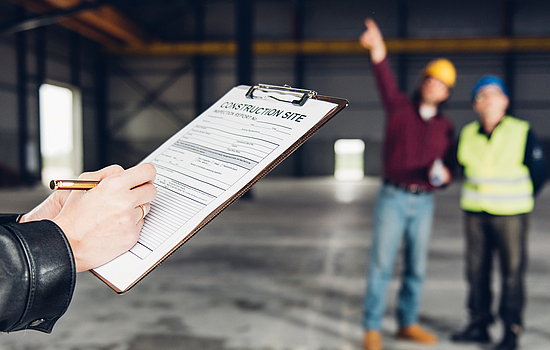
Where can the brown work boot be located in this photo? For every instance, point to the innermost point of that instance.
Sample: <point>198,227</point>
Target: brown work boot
<point>416,333</point>
<point>372,340</point>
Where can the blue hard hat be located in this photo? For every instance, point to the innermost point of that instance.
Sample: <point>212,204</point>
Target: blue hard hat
<point>489,80</point>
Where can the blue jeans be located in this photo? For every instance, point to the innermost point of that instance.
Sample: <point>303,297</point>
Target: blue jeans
<point>398,216</point>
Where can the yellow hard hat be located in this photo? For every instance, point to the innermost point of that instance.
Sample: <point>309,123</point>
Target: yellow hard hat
<point>442,69</point>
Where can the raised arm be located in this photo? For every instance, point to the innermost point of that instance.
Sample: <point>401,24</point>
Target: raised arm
<point>390,94</point>
<point>372,40</point>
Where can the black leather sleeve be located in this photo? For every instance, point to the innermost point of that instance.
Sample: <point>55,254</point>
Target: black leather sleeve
<point>8,218</point>
<point>37,275</point>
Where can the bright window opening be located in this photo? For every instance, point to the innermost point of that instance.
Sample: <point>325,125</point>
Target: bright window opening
<point>60,132</point>
<point>348,155</point>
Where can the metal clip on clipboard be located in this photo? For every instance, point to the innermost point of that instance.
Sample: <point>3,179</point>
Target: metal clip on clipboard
<point>297,97</point>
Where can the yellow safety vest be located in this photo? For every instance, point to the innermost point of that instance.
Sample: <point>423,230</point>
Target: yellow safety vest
<point>496,180</point>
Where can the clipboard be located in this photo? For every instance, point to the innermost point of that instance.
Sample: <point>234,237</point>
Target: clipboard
<point>241,116</point>
<point>300,98</point>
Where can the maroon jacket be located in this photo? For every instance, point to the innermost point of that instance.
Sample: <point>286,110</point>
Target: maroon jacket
<point>411,144</point>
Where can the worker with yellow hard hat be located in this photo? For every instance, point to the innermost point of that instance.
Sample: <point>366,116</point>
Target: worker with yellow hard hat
<point>418,153</point>
<point>441,69</point>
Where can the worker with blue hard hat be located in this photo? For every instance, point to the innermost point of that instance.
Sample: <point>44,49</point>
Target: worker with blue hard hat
<point>504,168</point>
<point>489,80</point>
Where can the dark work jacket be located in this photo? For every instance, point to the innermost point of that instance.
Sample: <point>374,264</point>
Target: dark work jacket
<point>37,274</point>
<point>411,145</point>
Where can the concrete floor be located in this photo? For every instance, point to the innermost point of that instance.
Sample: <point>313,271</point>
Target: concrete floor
<point>284,271</point>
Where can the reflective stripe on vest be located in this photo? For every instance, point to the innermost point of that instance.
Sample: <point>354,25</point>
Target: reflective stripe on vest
<point>496,180</point>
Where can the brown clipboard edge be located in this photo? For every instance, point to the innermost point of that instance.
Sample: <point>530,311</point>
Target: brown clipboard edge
<point>340,105</point>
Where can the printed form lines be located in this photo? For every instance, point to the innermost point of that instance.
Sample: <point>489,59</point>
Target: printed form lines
<point>172,217</point>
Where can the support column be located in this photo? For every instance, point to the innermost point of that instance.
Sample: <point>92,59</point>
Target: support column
<point>299,78</point>
<point>40,48</point>
<point>507,31</point>
<point>198,61</point>
<point>22,80</point>
<point>403,33</point>
<point>245,62</point>
<point>75,58</point>
<point>102,131</point>
<point>244,25</point>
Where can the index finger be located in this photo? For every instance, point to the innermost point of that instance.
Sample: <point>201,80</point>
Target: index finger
<point>370,24</point>
<point>139,174</point>
<point>102,173</point>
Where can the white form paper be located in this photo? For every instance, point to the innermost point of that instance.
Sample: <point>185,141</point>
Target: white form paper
<point>206,164</point>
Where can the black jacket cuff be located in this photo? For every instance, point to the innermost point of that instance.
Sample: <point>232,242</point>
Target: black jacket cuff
<point>8,218</point>
<point>51,277</point>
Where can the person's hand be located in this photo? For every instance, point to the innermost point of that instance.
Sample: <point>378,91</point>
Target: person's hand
<point>439,174</point>
<point>447,177</point>
<point>104,222</point>
<point>372,40</point>
<point>48,209</point>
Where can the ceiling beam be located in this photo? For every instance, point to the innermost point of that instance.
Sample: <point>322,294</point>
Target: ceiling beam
<point>41,20</point>
<point>102,23</point>
<point>343,47</point>
<point>109,20</point>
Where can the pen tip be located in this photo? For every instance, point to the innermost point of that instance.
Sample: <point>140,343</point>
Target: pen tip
<point>52,184</point>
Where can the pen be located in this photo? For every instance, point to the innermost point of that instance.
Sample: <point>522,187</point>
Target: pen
<point>73,184</point>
